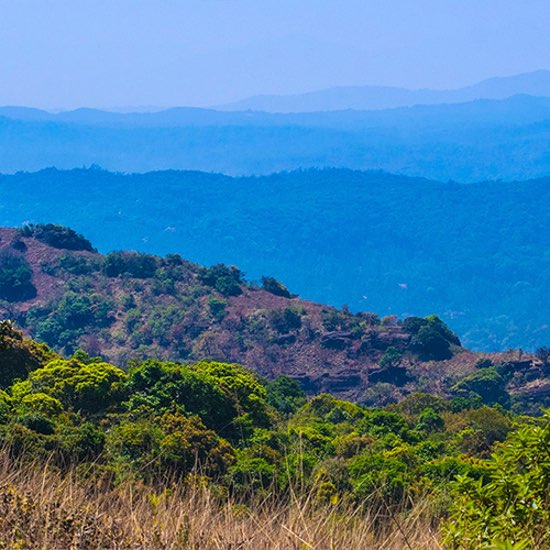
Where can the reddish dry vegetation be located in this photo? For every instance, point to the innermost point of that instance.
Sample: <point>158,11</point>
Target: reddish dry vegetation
<point>174,314</point>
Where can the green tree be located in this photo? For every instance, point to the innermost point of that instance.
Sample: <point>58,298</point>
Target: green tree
<point>509,507</point>
<point>88,388</point>
<point>15,278</point>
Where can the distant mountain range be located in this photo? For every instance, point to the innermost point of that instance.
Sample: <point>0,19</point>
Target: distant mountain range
<point>478,140</point>
<point>535,83</point>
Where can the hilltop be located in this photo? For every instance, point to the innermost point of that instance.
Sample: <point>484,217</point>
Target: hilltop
<point>126,305</point>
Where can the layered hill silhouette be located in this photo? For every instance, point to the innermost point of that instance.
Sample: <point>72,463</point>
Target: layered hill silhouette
<point>473,141</point>
<point>536,83</point>
<point>127,305</point>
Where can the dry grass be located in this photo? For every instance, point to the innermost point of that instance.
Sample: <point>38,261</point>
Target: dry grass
<point>40,509</point>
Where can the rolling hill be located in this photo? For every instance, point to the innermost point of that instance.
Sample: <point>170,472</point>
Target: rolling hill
<point>126,306</point>
<point>473,141</point>
<point>536,83</point>
<point>476,255</point>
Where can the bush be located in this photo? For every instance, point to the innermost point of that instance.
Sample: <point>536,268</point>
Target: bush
<point>509,506</point>
<point>227,280</point>
<point>61,324</point>
<point>488,384</point>
<point>140,266</point>
<point>286,320</point>
<point>285,395</point>
<point>87,388</point>
<point>431,338</point>
<point>18,356</point>
<point>273,286</point>
<point>57,236</point>
<point>391,358</point>
<point>222,395</point>
<point>217,308</point>
<point>15,278</point>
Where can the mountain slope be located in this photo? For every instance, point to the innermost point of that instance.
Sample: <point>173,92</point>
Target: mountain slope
<point>535,83</point>
<point>476,255</point>
<point>128,305</point>
<point>468,142</point>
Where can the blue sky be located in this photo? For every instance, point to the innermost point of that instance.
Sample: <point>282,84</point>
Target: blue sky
<point>117,53</point>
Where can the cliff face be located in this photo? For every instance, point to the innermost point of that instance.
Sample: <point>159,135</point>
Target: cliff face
<point>126,305</point>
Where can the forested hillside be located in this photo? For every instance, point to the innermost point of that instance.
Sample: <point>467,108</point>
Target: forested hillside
<point>127,306</point>
<point>476,255</point>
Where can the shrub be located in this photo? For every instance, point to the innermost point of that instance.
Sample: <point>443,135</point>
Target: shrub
<point>431,338</point>
<point>18,356</point>
<point>15,278</point>
<point>391,358</point>
<point>285,395</point>
<point>543,354</point>
<point>217,307</point>
<point>227,280</point>
<point>273,286</point>
<point>87,388</point>
<point>133,264</point>
<point>509,506</point>
<point>78,264</point>
<point>57,236</point>
<point>487,383</point>
<point>286,320</point>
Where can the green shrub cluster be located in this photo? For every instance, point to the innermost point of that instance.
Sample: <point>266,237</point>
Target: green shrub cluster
<point>431,338</point>
<point>227,280</point>
<point>247,437</point>
<point>133,264</point>
<point>57,236</point>
<point>15,277</point>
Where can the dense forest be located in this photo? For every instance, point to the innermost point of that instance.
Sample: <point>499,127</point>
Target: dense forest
<point>475,255</point>
<point>218,427</point>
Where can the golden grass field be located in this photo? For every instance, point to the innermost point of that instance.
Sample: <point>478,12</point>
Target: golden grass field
<point>41,509</point>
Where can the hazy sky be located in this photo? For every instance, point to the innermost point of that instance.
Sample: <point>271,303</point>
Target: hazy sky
<point>107,53</point>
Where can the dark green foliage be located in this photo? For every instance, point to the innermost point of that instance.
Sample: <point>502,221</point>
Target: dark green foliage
<point>15,278</point>
<point>285,395</point>
<point>61,324</point>
<point>19,245</point>
<point>509,507</point>
<point>275,287</point>
<point>79,265</point>
<point>287,320</point>
<point>217,307</point>
<point>57,236</point>
<point>543,354</point>
<point>431,338</point>
<point>391,358</point>
<point>483,363</point>
<point>430,421</point>
<point>18,356</point>
<point>141,266</point>
<point>227,280</point>
<point>488,384</point>
<point>225,397</point>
